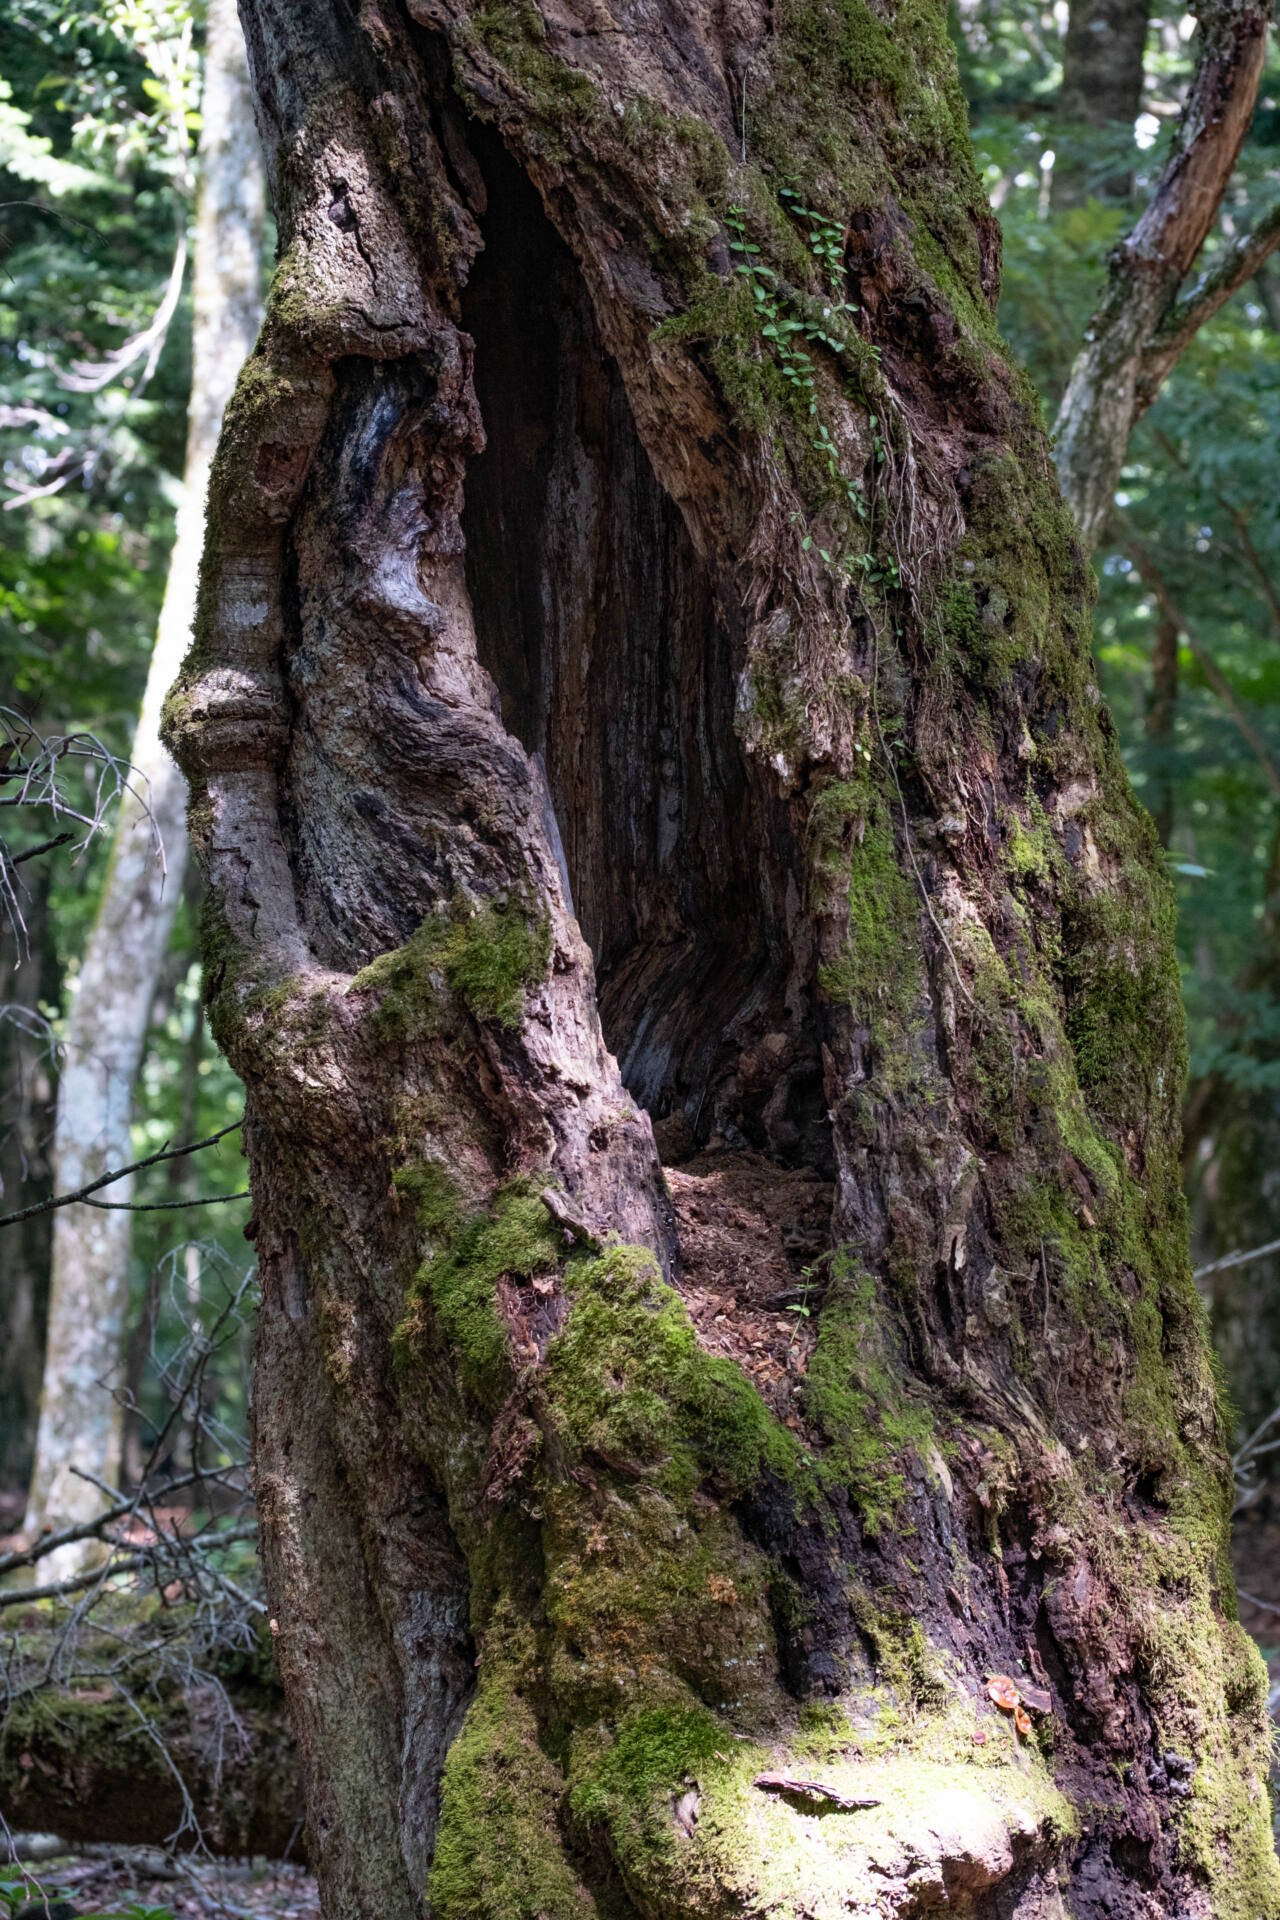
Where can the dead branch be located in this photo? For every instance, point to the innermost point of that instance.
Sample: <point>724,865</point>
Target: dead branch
<point>118,1173</point>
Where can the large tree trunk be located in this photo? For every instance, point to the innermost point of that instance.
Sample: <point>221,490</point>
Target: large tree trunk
<point>556,783</point>
<point>80,1419</point>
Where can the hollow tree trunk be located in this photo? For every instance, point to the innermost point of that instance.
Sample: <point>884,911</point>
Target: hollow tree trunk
<point>80,1421</point>
<point>715,744</point>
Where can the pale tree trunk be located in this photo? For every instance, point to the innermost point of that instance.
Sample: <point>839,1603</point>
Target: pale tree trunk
<point>80,1420</point>
<point>717,746</point>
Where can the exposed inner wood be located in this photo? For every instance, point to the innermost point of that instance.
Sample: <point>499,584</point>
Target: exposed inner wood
<point>616,663</point>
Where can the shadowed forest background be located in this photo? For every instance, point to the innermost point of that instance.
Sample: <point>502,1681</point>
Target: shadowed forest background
<point>99,129</point>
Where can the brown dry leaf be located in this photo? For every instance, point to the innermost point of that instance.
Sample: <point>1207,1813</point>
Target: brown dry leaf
<point>1002,1690</point>
<point>544,1286</point>
<point>1037,1698</point>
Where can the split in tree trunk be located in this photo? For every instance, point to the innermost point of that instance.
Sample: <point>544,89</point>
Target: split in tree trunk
<point>718,747</point>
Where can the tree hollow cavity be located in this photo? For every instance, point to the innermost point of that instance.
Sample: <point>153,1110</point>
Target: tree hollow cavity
<point>617,662</point>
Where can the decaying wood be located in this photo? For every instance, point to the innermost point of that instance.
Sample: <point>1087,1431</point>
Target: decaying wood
<point>579,741</point>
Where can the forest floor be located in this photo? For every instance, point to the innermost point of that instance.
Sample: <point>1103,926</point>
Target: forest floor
<point>143,1883</point>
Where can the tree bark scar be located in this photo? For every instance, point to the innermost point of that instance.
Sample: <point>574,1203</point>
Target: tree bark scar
<point>660,698</point>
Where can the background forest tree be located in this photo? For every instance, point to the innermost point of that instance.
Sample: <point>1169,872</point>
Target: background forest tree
<point>1187,577</point>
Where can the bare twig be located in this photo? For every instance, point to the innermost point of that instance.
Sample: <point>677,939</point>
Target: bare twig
<point>33,770</point>
<point>1230,1260</point>
<point>149,1556</point>
<point>45,846</point>
<point>90,376</point>
<point>163,1206</point>
<point>118,1173</point>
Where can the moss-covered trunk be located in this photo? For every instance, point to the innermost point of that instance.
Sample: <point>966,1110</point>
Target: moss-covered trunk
<point>643,700</point>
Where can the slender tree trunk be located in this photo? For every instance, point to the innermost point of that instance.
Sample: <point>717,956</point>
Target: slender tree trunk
<point>1161,715</point>
<point>80,1421</point>
<point>1101,94</point>
<point>27,1108</point>
<point>715,743</point>
<point>1233,1140</point>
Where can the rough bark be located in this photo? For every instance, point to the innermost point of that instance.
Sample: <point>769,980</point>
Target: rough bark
<point>80,1420</point>
<point>719,749</point>
<point>1141,327</point>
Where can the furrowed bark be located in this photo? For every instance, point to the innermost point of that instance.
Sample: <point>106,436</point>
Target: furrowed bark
<point>643,673</point>
<point>1133,340</point>
<point>80,1424</point>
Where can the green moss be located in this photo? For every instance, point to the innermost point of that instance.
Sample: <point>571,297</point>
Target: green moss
<point>560,99</point>
<point>1122,994</point>
<point>855,872</point>
<point>904,1661</point>
<point>489,955</point>
<point>519,1239</point>
<point>852,1395</point>
<point>499,1853</point>
<point>434,1197</point>
<point>493,956</point>
<point>630,1381</point>
<point>652,1757</point>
